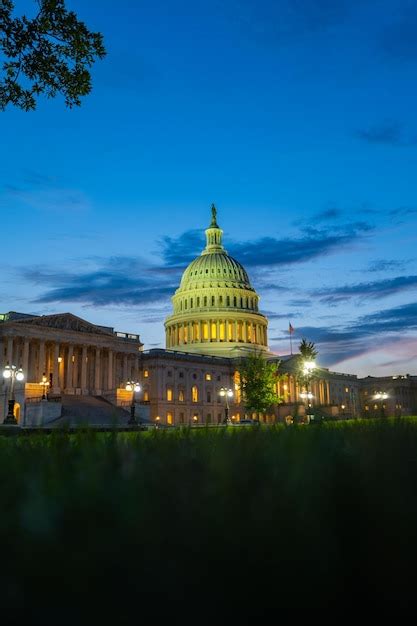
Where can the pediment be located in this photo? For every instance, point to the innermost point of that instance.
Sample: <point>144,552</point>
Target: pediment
<point>66,321</point>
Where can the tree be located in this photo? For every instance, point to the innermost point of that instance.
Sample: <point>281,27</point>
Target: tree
<point>258,377</point>
<point>306,367</point>
<point>49,54</point>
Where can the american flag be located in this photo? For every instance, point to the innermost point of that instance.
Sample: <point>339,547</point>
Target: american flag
<point>290,328</point>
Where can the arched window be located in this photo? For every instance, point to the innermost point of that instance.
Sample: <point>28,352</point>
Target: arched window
<point>194,393</point>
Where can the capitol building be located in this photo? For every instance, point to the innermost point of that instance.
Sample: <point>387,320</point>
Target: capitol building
<point>77,372</point>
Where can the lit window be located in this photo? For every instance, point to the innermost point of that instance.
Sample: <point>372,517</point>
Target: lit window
<point>181,395</point>
<point>194,393</point>
<point>169,418</point>
<point>146,396</point>
<point>146,374</point>
<point>169,394</point>
<point>347,389</point>
<point>208,376</point>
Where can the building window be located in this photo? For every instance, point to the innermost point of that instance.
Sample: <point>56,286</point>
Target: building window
<point>170,418</point>
<point>194,393</point>
<point>219,378</point>
<point>205,330</point>
<point>228,301</point>
<point>181,374</point>
<point>181,418</point>
<point>169,373</point>
<point>198,301</point>
<point>169,394</point>
<point>208,396</point>
<point>181,395</point>
<point>212,300</point>
<point>208,376</point>
<point>145,373</point>
<point>347,389</point>
<point>146,396</point>
<point>205,300</point>
<point>195,376</point>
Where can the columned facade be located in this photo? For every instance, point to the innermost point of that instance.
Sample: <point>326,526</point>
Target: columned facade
<point>77,357</point>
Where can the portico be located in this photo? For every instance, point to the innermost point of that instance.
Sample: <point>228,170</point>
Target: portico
<point>77,357</point>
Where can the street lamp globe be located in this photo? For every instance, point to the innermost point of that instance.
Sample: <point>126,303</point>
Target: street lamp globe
<point>7,373</point>
<point>19,374</point>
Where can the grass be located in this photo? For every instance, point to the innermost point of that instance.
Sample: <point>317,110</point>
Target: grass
<point>257,519</point>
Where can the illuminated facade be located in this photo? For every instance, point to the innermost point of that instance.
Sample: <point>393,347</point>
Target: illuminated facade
<point>215,307</point>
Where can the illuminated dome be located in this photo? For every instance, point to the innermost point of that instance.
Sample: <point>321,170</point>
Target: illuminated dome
<point>215,306</point>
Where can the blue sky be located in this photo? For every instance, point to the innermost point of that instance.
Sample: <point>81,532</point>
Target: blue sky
<point>297,118</point>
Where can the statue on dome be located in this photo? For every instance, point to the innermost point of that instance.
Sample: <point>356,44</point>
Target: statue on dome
<point>213,216</point>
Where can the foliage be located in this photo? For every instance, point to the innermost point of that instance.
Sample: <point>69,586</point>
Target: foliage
<point>258,377</point>
<point>95,526</point>
<point>308,350</point>
<point>49,54</point>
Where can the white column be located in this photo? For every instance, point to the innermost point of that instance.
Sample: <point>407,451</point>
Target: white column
<point>55,368</point>
<point>110,370</point>
<point>41,369</point>
<point>25,359</point>
<point>2,363</point>
<point>125,370</point>
<point>84,369</point>
<point>69,383</point>
<point>9,357</point>
<point>97,371</point>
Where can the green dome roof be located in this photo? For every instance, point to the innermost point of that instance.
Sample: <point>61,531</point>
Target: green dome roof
<point>216,267</point>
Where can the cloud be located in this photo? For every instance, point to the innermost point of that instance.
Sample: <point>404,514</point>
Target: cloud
<point>54,199</point>
<point>267,251</point>
<point>328,214</point>
<point>285,21</point>
<point>375,289</point>
<point>399,39</point>
<point>385,265</point>
<point>339,343</point>
<point>118,281</point>
<point>389,133</point>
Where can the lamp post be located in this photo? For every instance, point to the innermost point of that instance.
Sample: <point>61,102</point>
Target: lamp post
<point>308,367</point>
<point>134,387</point>
<point>381,396</point>
<point>226,394</point>
<point>45,383</point>
<point>307,396</point>
<point>12,373</point>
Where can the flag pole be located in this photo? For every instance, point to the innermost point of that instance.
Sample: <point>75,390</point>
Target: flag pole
<point>290,330</point>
